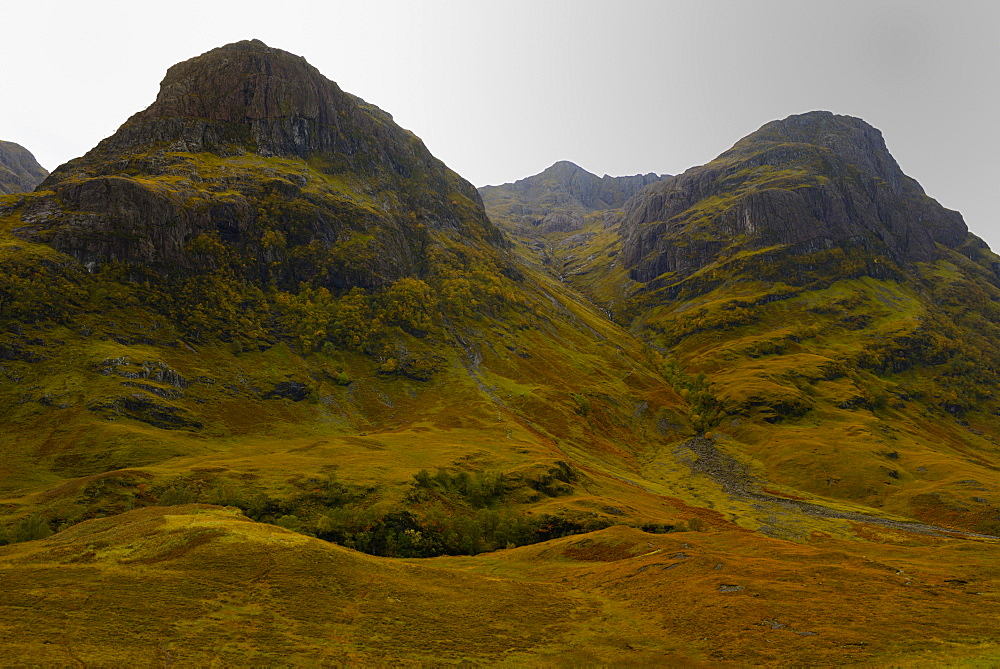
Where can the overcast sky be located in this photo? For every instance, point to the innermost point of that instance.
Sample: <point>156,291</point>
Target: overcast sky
<point>501,90</point>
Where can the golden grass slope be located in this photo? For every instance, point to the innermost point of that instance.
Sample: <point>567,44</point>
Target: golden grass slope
<point>199,585</point>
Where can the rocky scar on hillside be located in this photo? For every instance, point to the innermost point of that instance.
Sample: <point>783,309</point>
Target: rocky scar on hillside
<point>19,171</point>
<point>250,154</point>
<point>808,183</point>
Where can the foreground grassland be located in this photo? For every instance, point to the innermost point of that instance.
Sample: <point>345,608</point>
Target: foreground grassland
<point>202,585</point>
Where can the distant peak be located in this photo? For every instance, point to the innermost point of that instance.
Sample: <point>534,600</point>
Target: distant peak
<point>565,164</point>
<point>19,171</point>
<point>564,167</point>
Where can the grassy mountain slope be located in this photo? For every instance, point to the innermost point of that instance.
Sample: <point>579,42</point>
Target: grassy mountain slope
<point>845,320</point>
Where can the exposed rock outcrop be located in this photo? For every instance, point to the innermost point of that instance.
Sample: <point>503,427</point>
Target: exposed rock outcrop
<point>561,221</point>
<point>19,171</point>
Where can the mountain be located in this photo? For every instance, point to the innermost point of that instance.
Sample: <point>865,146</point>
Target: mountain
<point>261,266</point>
<point>19,171</point>
<point>556,214</point>
<point>277,390</point>
<point>841,322</point>
<point>558,198</point>
<point>253,146</point>
<point>809,183</point>
<point>846,321</point>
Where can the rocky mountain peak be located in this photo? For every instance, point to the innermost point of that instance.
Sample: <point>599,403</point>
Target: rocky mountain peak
<point>243,81</point>
<point>578,186</point>
<point>255,146</point>
<point>556,198</point>
<point>563,169</point>
<point>809,182</point>
<point>852,140</point>
<point>249,96</point>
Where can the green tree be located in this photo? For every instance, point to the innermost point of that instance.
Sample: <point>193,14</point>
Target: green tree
<point>31,528</point>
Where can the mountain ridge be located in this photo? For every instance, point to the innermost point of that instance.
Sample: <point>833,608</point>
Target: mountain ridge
<point>560,197</point>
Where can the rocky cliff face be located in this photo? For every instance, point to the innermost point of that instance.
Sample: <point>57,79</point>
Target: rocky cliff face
<point>250,152</point>
<point>808,183</point>
<point>19,171</point>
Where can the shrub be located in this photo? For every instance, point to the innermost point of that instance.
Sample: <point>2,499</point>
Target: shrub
<point>480,490</point>
<point>226,493</point>
<point>177,495</point>
<point>31,528</point>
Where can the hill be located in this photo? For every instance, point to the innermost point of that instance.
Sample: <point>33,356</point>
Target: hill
<point>199,585</point>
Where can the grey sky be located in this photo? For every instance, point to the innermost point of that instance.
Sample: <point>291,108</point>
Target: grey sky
<point>500,91</point>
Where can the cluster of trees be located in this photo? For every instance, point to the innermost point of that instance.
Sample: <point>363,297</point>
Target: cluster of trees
<point>441,531</point>
<point>479,490</point>
<point>28,528</point>
<point>34,289</point>
<point>220,302</point>
<point>712,318</point>
<point>697,390</point>
<point>356,320</point>
<point>446,514</point>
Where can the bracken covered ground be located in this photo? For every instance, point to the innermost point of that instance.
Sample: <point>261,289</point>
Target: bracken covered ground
<point>200,585</point>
